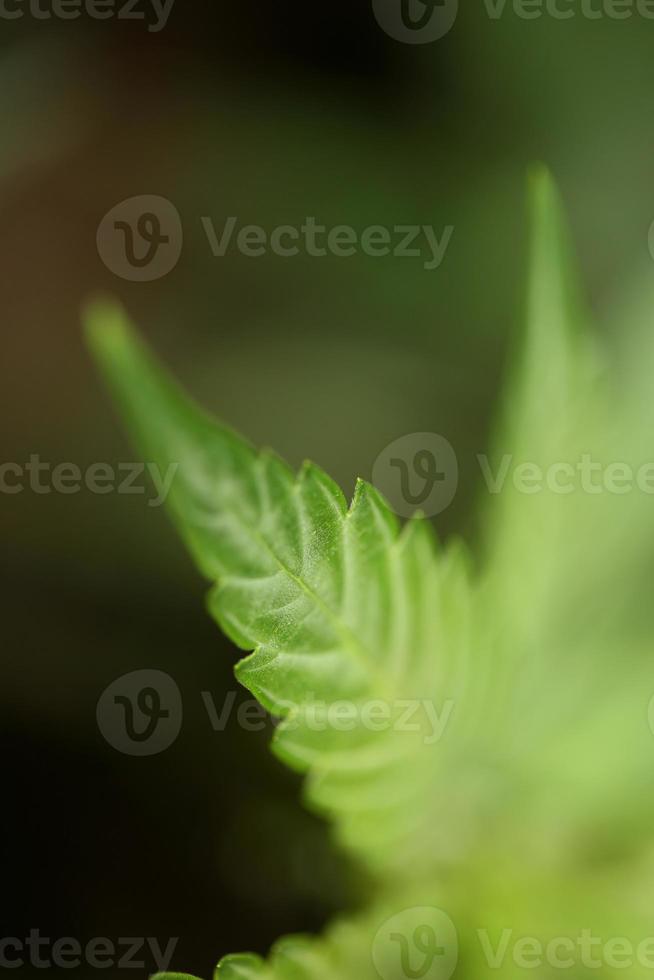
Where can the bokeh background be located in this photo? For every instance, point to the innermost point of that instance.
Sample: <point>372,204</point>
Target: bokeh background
<point>270,112</point>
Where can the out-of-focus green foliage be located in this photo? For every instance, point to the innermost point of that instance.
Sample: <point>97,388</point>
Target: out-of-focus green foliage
<point>532,810</point>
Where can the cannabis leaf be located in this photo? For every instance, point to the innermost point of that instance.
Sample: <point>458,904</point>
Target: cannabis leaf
<point>527,682</point>
<point>345,612</point>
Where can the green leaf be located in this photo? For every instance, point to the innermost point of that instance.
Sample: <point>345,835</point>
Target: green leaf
<point>538,678</point>
<point>552,413</point>
<point>344,611</point>
<point>562,626</point>
<point>173,976</point>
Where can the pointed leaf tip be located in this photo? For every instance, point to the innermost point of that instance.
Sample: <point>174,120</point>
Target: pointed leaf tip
<point>239,966</point>
<point>173,976</point>
<point>106,326</point>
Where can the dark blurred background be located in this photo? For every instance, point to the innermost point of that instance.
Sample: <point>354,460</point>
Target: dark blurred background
<point>269,112</point>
